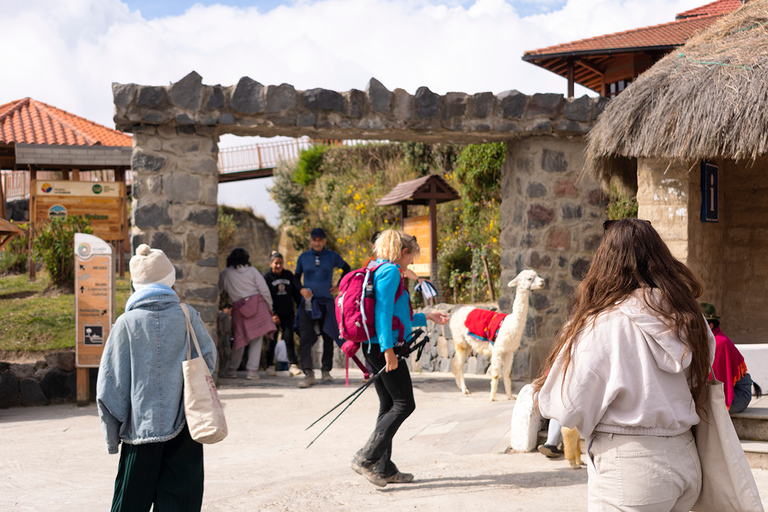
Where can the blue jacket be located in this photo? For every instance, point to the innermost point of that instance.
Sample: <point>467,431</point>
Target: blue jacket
<point>386,280</point>
<point>317,269</point>
<point>140,388</point>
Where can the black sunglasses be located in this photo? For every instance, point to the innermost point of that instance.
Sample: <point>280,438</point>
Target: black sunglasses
<point>608,223</point>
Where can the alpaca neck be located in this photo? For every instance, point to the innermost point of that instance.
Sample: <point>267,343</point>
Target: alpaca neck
<point>520,306</point>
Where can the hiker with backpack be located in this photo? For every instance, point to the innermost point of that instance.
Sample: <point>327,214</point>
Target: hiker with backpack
<point>393,319</point>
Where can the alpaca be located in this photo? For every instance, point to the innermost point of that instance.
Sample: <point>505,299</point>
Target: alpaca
<point>572,446</point>
<point>507,341</point>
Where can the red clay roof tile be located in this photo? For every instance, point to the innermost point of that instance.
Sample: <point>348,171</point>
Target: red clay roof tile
<point>34,122</point>
<point>716,7</point>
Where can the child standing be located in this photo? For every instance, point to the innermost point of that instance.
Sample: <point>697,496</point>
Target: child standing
<point>285,292</point>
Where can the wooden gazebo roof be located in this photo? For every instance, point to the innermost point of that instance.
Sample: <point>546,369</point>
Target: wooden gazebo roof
<point>420,191</point>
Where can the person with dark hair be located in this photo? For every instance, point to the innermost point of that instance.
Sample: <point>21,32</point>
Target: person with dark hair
<point>729,366</point>
<point>251,311</point>
<point>629,369</point>
<point>394,250</point>
<point>140,390</point>
<point>317,312</point>
<point>285,292</point>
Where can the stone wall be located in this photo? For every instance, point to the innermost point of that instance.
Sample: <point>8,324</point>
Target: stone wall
<point>254,235</point>
<point>551,217</point>
<point>49,380</point>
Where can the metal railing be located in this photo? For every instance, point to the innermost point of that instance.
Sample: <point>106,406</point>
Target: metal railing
<point>253,157</point>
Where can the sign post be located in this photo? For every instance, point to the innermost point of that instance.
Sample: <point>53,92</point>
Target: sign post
<point>94,305</point>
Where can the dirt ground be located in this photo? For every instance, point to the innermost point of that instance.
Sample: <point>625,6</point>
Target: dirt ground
<point>54,458</point>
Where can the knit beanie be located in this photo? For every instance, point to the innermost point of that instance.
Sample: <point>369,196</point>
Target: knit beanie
<point>151,266</point>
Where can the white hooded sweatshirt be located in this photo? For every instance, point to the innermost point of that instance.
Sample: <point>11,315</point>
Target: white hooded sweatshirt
<point>628,375</point>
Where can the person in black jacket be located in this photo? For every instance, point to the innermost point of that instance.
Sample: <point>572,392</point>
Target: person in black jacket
<point>285,292</point>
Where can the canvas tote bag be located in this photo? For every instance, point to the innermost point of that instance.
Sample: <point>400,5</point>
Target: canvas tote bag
<point>202,407</point>
<point>727,483</point>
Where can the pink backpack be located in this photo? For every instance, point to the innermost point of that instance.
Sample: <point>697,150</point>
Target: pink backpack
<point>355,309</point>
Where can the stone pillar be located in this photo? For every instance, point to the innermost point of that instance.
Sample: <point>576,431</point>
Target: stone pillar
<point>175,186</point>
<point>551,218</point>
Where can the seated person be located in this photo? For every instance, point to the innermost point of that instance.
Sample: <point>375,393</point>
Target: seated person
<point>729,366</point>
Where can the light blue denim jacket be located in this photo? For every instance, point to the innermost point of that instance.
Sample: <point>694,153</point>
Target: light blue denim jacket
<point>140,388</point>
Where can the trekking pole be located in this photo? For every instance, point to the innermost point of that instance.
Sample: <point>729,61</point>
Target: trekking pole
<point>355,392</point>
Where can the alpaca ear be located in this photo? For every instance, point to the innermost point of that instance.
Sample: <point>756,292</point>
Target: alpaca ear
<point>513,282</point>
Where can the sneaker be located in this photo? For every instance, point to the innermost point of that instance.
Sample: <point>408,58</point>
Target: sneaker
<point>228,374</point>
<point>252,376</point>
<point>368,473</point>
<point>399,478</point>
<point>550,451</point>
<point>327,376</point>
<point>270,372</point>
<point>294,370</point>
<point>307,381</point>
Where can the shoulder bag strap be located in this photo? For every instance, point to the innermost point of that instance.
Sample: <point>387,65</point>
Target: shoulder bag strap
<point>190,334</point>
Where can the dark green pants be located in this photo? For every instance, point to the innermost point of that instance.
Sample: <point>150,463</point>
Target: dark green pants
<point>168,475</point>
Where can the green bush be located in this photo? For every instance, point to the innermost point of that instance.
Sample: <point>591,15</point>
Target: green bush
<point>227,228</point>
<point>16,253</point>
<point>620,205</point>
<point>54,246</point>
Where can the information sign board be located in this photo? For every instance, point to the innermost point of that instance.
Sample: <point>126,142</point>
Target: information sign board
<point>419,227</point>
<point>94,298</point>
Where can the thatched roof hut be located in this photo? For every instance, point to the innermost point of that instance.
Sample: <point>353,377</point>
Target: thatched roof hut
<point>708,99</point>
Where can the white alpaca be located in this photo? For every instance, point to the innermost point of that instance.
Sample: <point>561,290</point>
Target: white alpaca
<point>507,340</point>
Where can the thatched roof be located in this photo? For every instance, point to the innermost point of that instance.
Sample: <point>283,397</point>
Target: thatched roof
<point>707,99</point>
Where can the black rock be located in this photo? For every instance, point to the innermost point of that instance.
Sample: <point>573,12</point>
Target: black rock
<point>186,93</point>
<point>247,96</point>
<point>54,384</point>
<point>324,99</point>
<point>150,96</point>
<point>513,104</point>
<point>280,97</point>
<point>171,248</point>
<point>427,103</point>
<point>151,216</point>
<point>31,392</point>
<point>379,96</point>
<point>9,390</point>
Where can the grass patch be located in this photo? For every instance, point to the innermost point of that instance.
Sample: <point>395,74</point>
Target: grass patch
<point>35,317</point>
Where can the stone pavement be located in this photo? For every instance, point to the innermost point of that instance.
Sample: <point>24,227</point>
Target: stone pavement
<point>54,458</point>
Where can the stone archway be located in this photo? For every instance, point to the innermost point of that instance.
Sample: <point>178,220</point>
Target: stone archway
<point>550,219</point>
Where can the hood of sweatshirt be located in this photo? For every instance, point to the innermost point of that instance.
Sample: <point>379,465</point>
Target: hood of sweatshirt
<point>663,342</point>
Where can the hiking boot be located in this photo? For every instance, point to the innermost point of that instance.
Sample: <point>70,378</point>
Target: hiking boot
<point>228,374</point>
<point>270,372</point>
<point>368,473</point>
<point>399,478</point>
<point>308,380</point>
<point>294,370</point>
<point>327,376</point>
<point>252,376</point>
<point>550,451</point>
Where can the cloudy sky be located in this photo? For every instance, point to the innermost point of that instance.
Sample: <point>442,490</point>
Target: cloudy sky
<point>67,53</point>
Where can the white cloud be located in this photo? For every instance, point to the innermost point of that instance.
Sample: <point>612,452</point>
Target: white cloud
<point>70,52</point>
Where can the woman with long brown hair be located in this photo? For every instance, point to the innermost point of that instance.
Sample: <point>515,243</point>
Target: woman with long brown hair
<point>629,370</point>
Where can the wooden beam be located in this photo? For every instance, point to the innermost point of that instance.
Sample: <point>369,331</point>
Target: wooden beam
<point>570,78</point>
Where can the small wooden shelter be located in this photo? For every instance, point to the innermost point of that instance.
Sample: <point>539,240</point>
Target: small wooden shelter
<point>427,191</point>
<point>8,231</point>
<point>702,107</point>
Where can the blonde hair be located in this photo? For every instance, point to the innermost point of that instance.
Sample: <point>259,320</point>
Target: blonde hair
<point>390,244</point>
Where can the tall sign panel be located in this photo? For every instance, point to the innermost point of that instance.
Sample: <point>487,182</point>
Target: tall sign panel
<point>94,305</point>
<point>419,227</point>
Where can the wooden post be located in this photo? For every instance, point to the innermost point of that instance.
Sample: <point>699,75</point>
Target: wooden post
<point>570,77</point>
<point>433,246</point>
<point>488,278</point>
<point>31,236</point>
<point>83,386</point>
<point>403,215</point>
<point>2,195</point>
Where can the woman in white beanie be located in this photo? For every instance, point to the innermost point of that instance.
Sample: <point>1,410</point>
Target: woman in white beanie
<point>251,311</point>
<point>139,393</point>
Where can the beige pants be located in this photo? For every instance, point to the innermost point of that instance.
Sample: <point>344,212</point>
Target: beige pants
<point>642,473</point>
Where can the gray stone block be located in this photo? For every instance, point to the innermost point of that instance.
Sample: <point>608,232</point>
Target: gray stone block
<point>482,364</point>
<point>356,103</point>
<point>151,97</point>
<point>208,262</point>
<point>187,130</point>
<point>54,384</point>
<point>324,99</point>
<point>455,105</point>
<point>171,247</point>
<point>379,96</point>
<point>427,103</point>
<point>187,92</point>
<point>215,99</point>
<point>207,293</point>
<point>247,96</point>
<point>600,103</point>
<point>563,289</point>
<point>281,97</point>
<point>22,371</point>
<point>226,119</point>
<point>482,104</point>
<point>403,109</point>
<point>578,109</point>
<point>207,313</point>
<point>547,104</point>
<point>305,119</point>
<point>540,216</point>
<point>63,360</point>
<point>31,394</point>
<point>535,190</point>
<point>157,117</point>
<point>184,119</point>
<point>204,217</point>
<point>182,187</point>
<point>513,104</point>
<point>572,211</point>
<point>9,390</point>
<point>151,216</point>
<point>553,161</point>
<point>123,94</point>
<point>579,268</point>
<point>540,300</point>
<point>144,162</point>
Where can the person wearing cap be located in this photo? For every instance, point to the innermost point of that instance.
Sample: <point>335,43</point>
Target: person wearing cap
<point>285,292</point>
<point>251,311</point>
<point>139,393</point>
<point>317,311</point>
<point>729,366</point>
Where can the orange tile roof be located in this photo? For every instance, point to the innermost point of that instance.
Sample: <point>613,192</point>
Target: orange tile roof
<point>34,122</point>
<point>716,7</point>
<point>674,33</point>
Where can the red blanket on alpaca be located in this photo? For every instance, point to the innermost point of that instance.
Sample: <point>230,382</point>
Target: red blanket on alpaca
<point>484,323</point>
